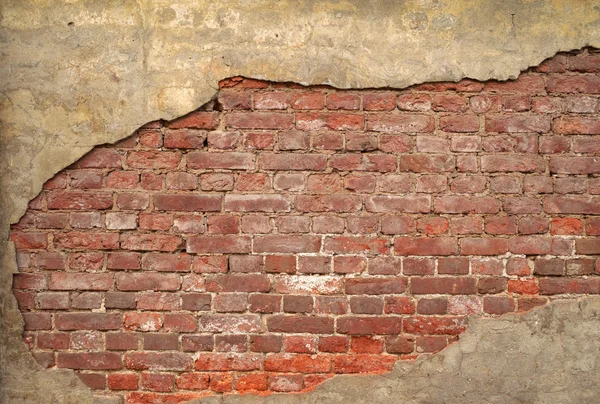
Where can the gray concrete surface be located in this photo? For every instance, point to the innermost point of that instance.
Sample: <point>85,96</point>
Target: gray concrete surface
<point>550,355</point>
<point>79,73</point>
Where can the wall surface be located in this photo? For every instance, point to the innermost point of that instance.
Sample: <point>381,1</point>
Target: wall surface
<point>82,73</point>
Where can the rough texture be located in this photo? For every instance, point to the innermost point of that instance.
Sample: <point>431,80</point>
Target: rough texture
<point>283,234</point>
<point>512,359</point>
<point>82,73</point>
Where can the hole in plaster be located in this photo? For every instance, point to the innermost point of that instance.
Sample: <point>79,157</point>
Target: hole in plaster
<point>189,228</point>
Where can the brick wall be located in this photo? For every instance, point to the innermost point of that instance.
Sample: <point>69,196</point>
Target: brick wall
<point>284,234</point>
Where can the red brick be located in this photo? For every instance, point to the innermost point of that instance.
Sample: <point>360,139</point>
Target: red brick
<point>343,100</point>
<point>311,121</point>
<point>498,305</point>
<point>87,321</point>
<point>80,281</point>
<point>149,242</point>
<point>298,363</point>
<point>466,204</point>
<point>49,220</point>
<point>195,343</point>
<point>285,382</point>
<point>50,260</point>
<point>307,100</point>
<point>234,99</point>
<point>230,302</point>
<point>271,100</point>
<point>158,361</point>
<point>239,82</point>
<point>290,161</point>
<point>585,144</point>
<point>349,265</point>
<point>566,226</point>
<point>89,361</point>
<point>90,241</point>
<point>491,285</point>
<point>500,225</point>
<point>572,205</point>
<point>331,304</point>
<point>401,344</point>
<point>324,183</point>
<point>333,344</point>
<point>554,144</point>
<point>414,102</point>
<point>213,160</point>
<point>256,203</point>
<point>158,382</point>
<point>422,163</point>
<point>432,225</point>
<point>118,341</point>
<point>501,163</point>
<point>253,182</point>
<point>238,283</point>
<point>155,221</point>
<point>251,382</point>
<point>37,321</point>
<point>505,185</point>
<point>590,245</point>
<point>100,158</point>
<point>375,286</point>
<point>196,120</point>
<point>523,286</point>
<point>525,84</point>
<point>286,244</point>
<point>394,143</point>
<point>265,343</point>
<point>529,245</point>
<point>256,224</point>
<point>554,286</point>
<point>259,120</point>
<point>166,262</point>
<point>403,123</point>
<point>160,342</point>
<point>300,324</point>
<point>147,281</point>
<point>404,204</point>
<point>434,325</point>
<point>328,203</point>
<point>193,381</point>
<point>259,140</point>
<point>93,261</point>
<point>366,305</point>
<point>239,323</point>
<point>228,361</point>
<point>123,381</point>
<point>425,246</point>
<point>369,325</point>
<point>445,285</point>
<point>587,84</point>
<point>431,344</point>
<point>575,165</point>
<point>218,244</point>
<point>379,101</point>
<point>448,102</point>
<point>300,344</point>
<point>85,179</point>
<point>363,363</point>
<point>150,138</point>
<point>202,203</point>
<point>79,200</point>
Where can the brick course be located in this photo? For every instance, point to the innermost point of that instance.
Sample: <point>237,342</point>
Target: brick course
<point>286,234</point>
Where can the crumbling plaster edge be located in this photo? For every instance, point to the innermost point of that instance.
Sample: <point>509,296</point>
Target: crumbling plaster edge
<point>12,327</point>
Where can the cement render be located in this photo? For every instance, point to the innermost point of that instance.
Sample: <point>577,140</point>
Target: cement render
<point>79,73</point>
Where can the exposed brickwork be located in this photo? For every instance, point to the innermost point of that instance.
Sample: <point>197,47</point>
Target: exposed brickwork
<point>294,233</point>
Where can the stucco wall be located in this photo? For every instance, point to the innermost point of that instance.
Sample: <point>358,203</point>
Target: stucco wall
<point>76,74</point>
